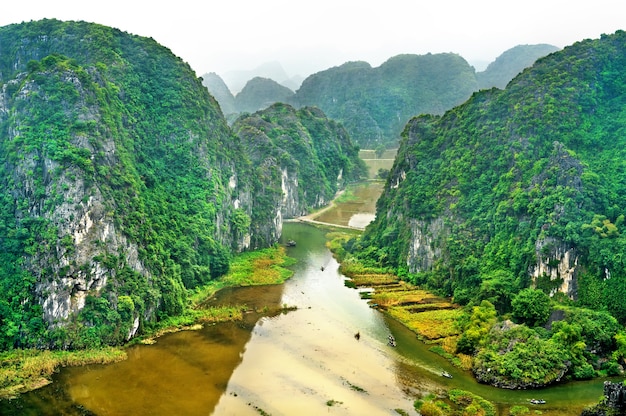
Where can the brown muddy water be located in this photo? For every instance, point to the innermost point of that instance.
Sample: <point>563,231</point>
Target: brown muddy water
<point>305,362</point>
<point>356,211</point>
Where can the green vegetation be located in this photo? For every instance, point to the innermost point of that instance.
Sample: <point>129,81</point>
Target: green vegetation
<point>531,307</point>
<point>23,370</point>
<point>90,129</point>
<point>303,146</point>
<point>355,387</point>
<point>519,411</point>
<point>508,200</point>
<point>123,190</point>
<point>457,402</point>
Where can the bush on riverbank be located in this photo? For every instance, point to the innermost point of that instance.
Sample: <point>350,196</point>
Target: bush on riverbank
<point>259,267</point>
<point>457,402</point>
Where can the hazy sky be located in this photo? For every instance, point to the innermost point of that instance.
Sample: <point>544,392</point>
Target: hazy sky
<point>308,36</point>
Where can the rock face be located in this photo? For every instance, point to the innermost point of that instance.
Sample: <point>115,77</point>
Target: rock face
<point>79,213</point>
<point>424,250</point>
<point>558,262</point>
<point>614,403</point>
<point>615,396</point>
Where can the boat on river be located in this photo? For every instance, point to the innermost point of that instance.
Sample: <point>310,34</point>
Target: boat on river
<point>446,374</point>
<point>291,243</point>
<point>537,401</point>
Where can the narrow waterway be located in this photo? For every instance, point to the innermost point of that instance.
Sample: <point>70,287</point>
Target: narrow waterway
<point>309,361</point>
<point>306,361</point>
<point>358,209</point>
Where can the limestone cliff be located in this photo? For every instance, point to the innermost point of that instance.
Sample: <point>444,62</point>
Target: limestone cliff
<point>613,404</point>
<point>121,185</point>
<point>517,187</point>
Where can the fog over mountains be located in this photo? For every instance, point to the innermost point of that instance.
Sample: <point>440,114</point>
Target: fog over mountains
<point>235,80</point>
<point>373,103</point>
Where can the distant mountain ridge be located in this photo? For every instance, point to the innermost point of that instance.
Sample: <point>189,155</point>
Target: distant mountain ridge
<point>374,104</point>
<point>218,88</point>
<point>260,93</point>
<point>510,63</point>
<point>236,80</point>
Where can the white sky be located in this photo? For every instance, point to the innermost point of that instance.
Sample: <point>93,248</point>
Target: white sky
<point>309,36</point>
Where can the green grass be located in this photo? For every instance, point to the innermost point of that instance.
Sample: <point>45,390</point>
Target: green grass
<point>23,370</point>
<point>259,267</point>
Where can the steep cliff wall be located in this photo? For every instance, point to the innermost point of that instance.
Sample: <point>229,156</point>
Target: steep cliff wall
<point>613,404</point>
<point>122,185</point>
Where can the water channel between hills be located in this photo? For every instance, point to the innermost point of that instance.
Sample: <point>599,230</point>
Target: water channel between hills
<point>305,362</point>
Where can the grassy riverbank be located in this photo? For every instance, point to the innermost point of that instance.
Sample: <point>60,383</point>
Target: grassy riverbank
<point>261,267</point>
<point>24,370</point>
<point>435,320</point>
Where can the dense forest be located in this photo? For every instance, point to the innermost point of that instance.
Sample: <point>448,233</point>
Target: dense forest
<point>122,185</point>
<point>513,204</point>
<point>375,103</point>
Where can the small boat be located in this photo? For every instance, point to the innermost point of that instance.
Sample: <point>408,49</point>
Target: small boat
<point>537,401</point>
<point>446,374</point>
<point>291,243</point>
<point>391,340</point>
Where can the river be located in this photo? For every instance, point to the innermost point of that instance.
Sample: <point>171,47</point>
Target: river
<point>306,361</point>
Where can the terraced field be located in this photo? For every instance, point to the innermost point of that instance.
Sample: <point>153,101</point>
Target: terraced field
<point>435,320</point>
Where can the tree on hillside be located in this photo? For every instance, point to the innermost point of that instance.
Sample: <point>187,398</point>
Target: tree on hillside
<point>531,306</point>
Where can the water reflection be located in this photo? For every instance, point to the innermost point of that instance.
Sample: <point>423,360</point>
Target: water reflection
<point>309,361</point>
<point>183,373</point>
